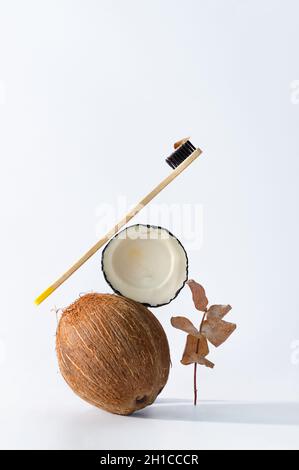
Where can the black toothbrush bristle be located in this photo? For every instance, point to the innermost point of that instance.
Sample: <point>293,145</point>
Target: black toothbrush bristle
<point>180,154</point>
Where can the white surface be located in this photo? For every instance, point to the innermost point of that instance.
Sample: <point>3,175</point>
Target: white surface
<point>92,94</point>
<point>168,424</point>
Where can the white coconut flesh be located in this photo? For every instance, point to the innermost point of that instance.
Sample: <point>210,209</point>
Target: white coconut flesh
<point>146,264</point>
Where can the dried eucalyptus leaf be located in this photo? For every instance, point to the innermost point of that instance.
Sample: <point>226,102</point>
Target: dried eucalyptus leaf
<point>184,324</point>
<point>186,360</point>
<point>218,311</point>
<point>204,362</point>
<point>195,346</point>
<point>203,347</point>
<point>199,295</point>
<point>190,347</point>
<point>196,358</point>
<point>217,331</point>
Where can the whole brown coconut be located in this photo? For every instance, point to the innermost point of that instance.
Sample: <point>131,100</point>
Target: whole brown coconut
<point>112,352</point>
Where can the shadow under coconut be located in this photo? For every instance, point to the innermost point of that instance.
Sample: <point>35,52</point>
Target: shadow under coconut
<point>274,413</point>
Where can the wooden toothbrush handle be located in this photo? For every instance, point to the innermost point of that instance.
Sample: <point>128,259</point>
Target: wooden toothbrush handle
<point>137,208</point>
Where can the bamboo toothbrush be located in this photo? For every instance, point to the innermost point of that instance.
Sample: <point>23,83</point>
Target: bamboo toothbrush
<point>184,154</point>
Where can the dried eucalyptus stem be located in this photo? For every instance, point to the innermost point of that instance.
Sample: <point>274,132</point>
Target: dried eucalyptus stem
<point>213,329</point>
<point>195,363</point>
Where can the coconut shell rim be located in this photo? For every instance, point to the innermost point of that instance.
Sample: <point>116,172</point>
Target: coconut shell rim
<point>148,226</point>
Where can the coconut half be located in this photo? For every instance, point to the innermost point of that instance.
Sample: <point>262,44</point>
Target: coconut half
<point>145,263</point>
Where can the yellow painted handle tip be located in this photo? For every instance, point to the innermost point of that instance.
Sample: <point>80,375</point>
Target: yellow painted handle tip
<point>43,295</point>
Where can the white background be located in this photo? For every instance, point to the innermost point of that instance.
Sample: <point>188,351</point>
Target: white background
<point>92,96</point>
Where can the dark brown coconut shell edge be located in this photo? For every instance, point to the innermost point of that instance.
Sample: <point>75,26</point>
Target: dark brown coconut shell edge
<point>148,226</point>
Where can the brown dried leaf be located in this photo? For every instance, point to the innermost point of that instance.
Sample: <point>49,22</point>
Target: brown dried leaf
<point>217,331</point>
<point>195,346</point>
<point>199,295</point>
<point>218,311</point>
<point>203,361</point>
<point>186,360</point>
<point>203,347</point>
<point>191,345</point>
<point>184,324</point>
<point>193,357</point>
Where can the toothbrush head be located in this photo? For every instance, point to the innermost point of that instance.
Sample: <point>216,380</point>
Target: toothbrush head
<point>183,149</point>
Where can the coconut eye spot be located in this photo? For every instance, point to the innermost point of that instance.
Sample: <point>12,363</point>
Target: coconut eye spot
<point>140,400</point>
